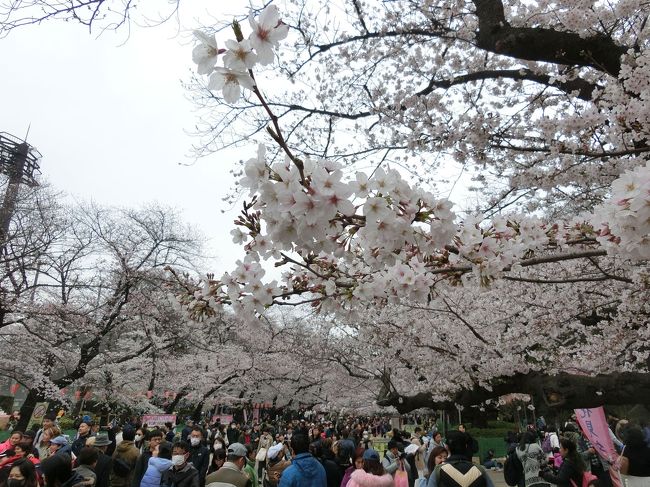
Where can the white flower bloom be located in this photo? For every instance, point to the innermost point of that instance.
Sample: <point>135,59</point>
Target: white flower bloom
<point>206,53</point>
<point>361,187</point>
<point>375,209</point>
<point>238,236</point>
<point>268,30</point>
<point>240,55</point>
<point>230,82</point>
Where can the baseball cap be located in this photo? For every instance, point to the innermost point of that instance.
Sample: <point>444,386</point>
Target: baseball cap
<point>59,440</point>
<point>370,454</point>
<point>237,449</point>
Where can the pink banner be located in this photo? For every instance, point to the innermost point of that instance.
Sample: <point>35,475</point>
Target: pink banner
<point>595,428</point>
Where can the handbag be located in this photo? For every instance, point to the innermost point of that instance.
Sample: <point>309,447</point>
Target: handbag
<point>261,455</point>
<point>401,478</point>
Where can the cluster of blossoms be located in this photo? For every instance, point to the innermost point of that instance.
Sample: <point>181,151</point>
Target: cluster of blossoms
<point>377,237</point>
<point>625,216</point>
<point>241,55</point>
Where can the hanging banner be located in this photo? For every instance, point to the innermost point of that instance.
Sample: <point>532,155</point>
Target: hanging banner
<point>223,418</point>
<point>158,419</point>
<point>594,426</point>
<point>256,415</point>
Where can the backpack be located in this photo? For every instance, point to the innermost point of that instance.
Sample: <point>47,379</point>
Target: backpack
<point>121,467</point>
<point>513,470</point>
<point>586,478</point>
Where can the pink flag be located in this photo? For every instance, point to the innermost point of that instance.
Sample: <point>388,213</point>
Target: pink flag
<point>594,425</point>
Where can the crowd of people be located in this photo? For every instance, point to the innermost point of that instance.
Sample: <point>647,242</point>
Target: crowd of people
<point>307,454</point>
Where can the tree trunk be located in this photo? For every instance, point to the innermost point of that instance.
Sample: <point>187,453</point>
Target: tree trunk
<point>27,409</point>
<point>196,414</point>
<point>171,407</point>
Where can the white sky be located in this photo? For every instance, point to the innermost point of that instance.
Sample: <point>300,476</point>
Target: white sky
<point>111,119</point>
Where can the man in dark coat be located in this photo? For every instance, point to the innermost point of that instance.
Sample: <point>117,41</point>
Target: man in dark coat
<point>155,438</point>
<point>183,473</point>
<point>104,464</point>
<point>199,454</point>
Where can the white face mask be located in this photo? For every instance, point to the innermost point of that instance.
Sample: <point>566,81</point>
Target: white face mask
<point>195,441</point>
<point>178,460</point>
<point>138,438</point>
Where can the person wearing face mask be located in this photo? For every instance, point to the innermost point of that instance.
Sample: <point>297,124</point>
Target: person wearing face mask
<point>138,440</point>
<point>22,474</point>
<point>232,473</point>
<point>199,454</point>
<point>124,458</point>
<point>155,439</point>
<point>183,473</point>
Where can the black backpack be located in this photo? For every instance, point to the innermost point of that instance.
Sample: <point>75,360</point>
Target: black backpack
<point>121,468</point>
<point>513,470</point>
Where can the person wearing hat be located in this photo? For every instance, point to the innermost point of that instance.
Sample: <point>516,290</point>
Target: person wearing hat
<point>276,465</point>
<point>372,474</point>
<point>232,473</point>
<point>59,445</point>
<point>104,462</point>
<point>305,470</point>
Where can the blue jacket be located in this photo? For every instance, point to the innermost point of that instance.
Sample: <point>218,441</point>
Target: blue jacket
<point>155,469</point>
<point>305,471</point>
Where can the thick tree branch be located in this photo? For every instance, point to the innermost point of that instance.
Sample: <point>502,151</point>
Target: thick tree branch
<point>568,391</point>
<point>496,35</point>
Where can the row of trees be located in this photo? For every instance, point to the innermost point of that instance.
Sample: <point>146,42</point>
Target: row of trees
<point>539,287</point>
<point>89,303</point>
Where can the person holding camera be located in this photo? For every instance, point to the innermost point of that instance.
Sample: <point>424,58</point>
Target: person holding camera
<point>394,460</point>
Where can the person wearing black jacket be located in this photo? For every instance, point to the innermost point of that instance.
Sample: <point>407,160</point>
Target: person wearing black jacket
<point>155,438</point>
<point>572,467</point>
<point>183,473</point>
<point>199,454</point>
<point>323,453</point>
<point>104,464</point>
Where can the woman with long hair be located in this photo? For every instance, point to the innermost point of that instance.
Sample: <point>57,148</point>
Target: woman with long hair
<point>635,458</point>
<point>43,446</point>
<point>572,466</point>
<point>372,474</point>
<point>532,458</point>
<point>437,457</point>
<point>22,474</point>
<point>357,463</point>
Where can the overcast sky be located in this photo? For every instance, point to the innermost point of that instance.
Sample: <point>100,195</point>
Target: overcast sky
<point>111,119</point>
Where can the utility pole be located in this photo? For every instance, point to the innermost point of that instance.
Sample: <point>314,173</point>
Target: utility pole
<point>20,162</point>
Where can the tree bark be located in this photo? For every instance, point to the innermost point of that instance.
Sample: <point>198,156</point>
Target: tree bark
<point>27,409</point>
<point>541,44</point>
<point>568,391</point>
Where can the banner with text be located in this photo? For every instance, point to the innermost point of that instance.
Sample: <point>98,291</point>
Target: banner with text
<point>594,425</point>
<point>158,419</point>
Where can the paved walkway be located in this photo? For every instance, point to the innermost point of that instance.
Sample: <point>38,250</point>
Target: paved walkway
<point>497,478</point>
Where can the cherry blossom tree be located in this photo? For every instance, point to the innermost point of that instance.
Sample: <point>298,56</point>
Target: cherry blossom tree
<point>92,308</point>
<point>541,287</point>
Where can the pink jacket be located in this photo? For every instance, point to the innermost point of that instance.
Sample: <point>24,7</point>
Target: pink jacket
<point>361,478</point>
